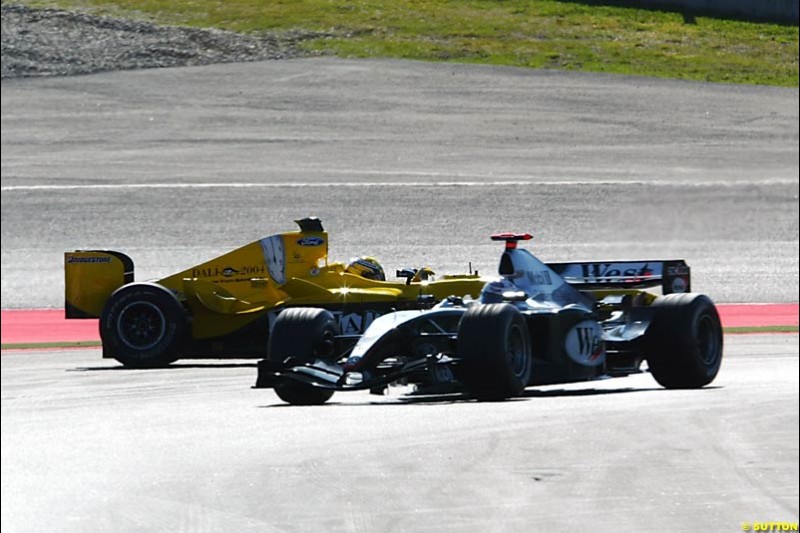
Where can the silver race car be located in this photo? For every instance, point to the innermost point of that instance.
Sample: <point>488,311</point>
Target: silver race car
<point>536,324</point>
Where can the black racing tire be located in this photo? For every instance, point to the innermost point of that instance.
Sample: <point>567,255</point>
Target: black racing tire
<point>142,326</point>
<point>684,341</point>
<point>305,334</point>
<point>495,350</point>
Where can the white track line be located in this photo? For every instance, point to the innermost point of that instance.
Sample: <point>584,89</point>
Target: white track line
<point>396,184</point>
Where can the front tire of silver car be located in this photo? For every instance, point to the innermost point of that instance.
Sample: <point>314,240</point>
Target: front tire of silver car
<point>494,347</point>
<point>303,334</point>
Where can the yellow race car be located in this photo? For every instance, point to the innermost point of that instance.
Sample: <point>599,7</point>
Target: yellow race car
<point>224,308</point>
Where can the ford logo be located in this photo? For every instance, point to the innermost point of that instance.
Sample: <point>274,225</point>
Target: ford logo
<point>310,241</point>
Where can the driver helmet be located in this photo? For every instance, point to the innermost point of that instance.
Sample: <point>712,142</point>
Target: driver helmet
<point>367,267</point>
<point>493,291</point>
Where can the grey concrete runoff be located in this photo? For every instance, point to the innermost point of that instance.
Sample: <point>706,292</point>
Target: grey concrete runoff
<point>88,446</point>
<point>54,42</point>
<point>415,163</point>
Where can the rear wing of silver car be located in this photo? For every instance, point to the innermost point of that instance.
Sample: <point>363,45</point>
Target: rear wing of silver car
<point>672,275</point>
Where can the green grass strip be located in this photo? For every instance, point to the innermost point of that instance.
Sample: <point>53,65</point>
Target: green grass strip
<point>44,345</point>
<point>762,329</point>
<point>524,33</point>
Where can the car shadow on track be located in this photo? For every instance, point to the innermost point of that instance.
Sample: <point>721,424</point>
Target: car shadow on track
<point>453,398</point>
<point>173,367</point>
<point>557,393</point>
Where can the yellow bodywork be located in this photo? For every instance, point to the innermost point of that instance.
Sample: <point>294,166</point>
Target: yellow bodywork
<point>234,289</point>
<point>91,277</point>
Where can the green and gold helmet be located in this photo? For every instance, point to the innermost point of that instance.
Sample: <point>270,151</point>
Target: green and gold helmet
<point>367,267</point>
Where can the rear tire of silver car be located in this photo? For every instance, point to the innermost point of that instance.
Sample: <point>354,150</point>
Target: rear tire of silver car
<point>495,350</point>
<point>305,334</point>
<point>142,325</point>
<point>684,342</point>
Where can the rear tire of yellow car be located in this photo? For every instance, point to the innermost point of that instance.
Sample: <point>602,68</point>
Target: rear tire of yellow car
<point>684,341</point>
<point>142,326</point>
<point>494,346</point>
<point>303,334</point>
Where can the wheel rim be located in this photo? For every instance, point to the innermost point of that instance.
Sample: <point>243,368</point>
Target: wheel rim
<point>326,345</point>
<point>141,325</point>
<point>517,351</point>
<point>707,340</point>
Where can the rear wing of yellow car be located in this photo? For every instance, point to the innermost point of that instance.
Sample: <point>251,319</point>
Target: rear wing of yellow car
<point>90,276</point>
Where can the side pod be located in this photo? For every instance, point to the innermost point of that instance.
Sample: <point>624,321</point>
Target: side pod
<point>90,276</point>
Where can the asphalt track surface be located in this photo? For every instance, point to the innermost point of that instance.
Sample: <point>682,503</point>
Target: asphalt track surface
<point>412,163</point>
<point>409,162</point>
<point>89,446</point>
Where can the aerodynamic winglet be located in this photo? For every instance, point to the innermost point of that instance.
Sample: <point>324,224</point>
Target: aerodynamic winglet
<point>511,238</point>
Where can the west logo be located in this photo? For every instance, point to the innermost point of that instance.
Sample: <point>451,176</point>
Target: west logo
<point>602,271</point>
<point>584,343</point>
